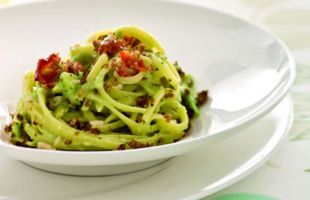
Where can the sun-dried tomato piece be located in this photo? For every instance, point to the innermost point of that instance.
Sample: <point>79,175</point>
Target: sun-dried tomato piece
<point>131,62</point>
<point>202,97</point>
<point>47,71</point>
<point>125,56</point>
<point>110,46</point>
<point>128,38</point>
<point>73,67</point>
<point>126,71</point>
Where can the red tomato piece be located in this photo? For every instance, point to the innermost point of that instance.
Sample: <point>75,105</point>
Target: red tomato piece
<point>110,46</point>
<point>47,71</point>
<point>132,63</point>
<point>126,57</point>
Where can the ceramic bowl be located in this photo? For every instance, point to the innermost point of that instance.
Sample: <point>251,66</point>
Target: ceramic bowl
<point>246,69</point>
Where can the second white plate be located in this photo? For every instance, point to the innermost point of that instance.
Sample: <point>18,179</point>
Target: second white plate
<point>191,176</point>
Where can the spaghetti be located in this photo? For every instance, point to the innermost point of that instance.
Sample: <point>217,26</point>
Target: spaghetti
<point>116,91</point>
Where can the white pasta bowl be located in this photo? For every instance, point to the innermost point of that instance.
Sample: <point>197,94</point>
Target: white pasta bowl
<point>246,69</point>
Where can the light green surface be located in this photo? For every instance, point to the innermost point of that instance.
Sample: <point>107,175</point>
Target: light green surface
<point>244,196</point>
<point>4,2</point>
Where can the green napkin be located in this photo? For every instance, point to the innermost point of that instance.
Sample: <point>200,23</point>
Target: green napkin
<point>244,196</point>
